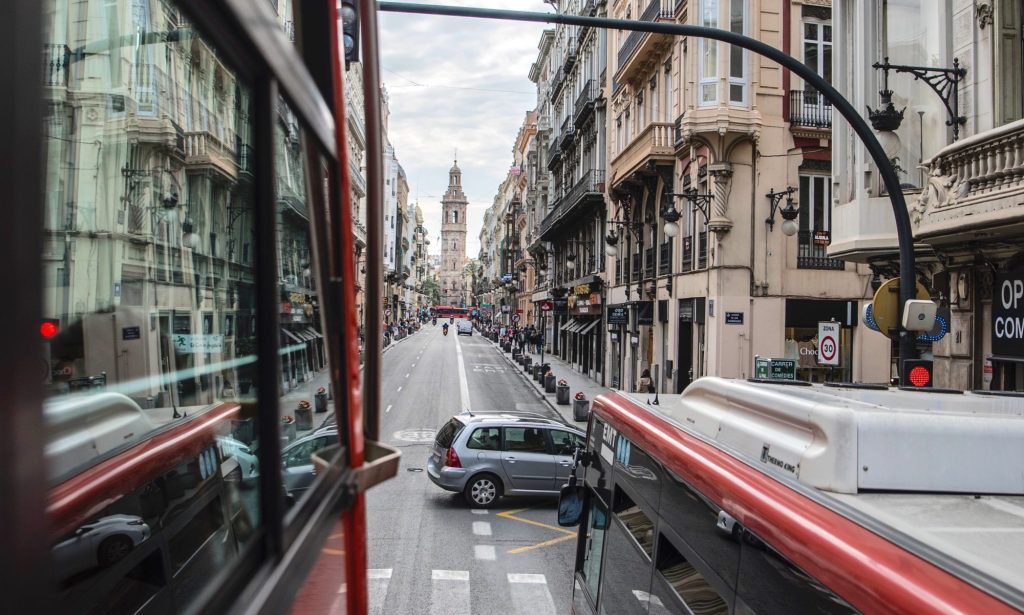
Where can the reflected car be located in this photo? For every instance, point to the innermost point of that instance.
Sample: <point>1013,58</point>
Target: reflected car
<point>298,472</point>
<point>487,456</point>
<point>464,327</point>
<point>99,544</point>
<point>229,447</point>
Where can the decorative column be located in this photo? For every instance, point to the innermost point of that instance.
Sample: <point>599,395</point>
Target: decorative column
<point>721,172</point>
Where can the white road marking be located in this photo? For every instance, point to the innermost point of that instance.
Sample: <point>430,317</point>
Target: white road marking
<point>482,528</point>
<point>377,580</point>
<point>414,365</point>
<point>530,594</point>
<point>449,575</point>
<point>485,552</point>
<point>463,381</point>
<point>480,511</point>
<point>388,409</point>
<point>449,592</point>
<point>407,375</point>
<point>399,390</point>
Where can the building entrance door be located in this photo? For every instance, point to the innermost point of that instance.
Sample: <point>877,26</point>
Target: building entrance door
<point>684,371</point>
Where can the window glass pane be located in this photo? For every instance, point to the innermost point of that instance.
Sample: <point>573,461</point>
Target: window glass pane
<point>487,438</point>
<point>827,33</point>
<point>736,93</point>
<point>597,522</point>
<point>626,577</point>
<point>805,202</point>
<point>149,303</point>
<point>564,443</point>
<point>819,203</point>
<point>811,56</point>
<point>687,581</point>
<point>525,440</point>
<point>638,523</point>
<point>770,583</point>
<point>811,31</point>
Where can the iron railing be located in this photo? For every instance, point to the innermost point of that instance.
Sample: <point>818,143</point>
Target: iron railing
<point>592,182</point>
<point>557,81</point>
<point>653,12</point>
<point>665,258</point>
<point>584,102</point>
<point>56,59</point>
<point>649,262</point>
<point>809,108</point>
<point>687,260</point>
<point>568,133</point>
<point>554,153</point>
<point>812,252</point>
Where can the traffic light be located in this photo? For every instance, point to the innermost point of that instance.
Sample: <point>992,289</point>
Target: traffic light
<point>350,31</point>
<point>917,374</point>
<point>49,327</point>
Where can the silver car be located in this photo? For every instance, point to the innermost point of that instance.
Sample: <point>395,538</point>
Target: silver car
<point>486,456</point>
<point>298,471</point>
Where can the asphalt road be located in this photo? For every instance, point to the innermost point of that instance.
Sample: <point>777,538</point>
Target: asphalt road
<point>428,551</point>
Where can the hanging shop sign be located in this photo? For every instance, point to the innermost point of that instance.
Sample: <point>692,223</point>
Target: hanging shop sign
<point>618,315</point>
<point>1008,314</point>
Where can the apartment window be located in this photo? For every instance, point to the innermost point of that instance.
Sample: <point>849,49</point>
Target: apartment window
<point>738,55</point>
<point>668,91</point>
<point>640,123</point>
<point>655,116</point>
<point>815,194</point>
<point>707,55</point>
<point>818,47</point>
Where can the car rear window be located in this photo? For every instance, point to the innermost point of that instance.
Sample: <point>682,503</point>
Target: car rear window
<point>447,434</point>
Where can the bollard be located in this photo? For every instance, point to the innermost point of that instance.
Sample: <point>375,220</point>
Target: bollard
<point>580,409</point>
<point>321,400</point>
<point>549,383</point>
<point>527,362</point>
<point>303,416</point>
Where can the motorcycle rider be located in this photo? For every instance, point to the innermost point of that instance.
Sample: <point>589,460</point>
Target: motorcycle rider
<point>445,328</point>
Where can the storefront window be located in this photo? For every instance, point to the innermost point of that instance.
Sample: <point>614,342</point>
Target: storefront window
<point>802,347</point>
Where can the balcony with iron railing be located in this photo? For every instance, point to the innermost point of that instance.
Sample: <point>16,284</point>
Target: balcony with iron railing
<point>56,61</point>
<point>812,251</point>
<point>557,81</point>
<point>686,263</point>
<point>638,46</point>
<point>554,154</point>
<point>809,109</point>
<point>665,258</point>
<point>568,134</point>
<point>570,55</point>
<point>589,190</point>
<point>204,149</point>
<point>649,262</point>
<point>584,107</point>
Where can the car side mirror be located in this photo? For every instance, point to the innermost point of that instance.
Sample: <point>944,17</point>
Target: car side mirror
<point>570,505</point>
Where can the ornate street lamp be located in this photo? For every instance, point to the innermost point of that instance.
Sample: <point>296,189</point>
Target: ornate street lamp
<point>789,212</point>
<point>671,216</point>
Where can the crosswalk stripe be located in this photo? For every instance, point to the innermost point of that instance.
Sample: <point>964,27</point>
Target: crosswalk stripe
<point>485,552</point>
<point>449,592</point>
<point>530,594</point>
<point>480,511</point>
<point>482,528</point>
<point>378,580</point>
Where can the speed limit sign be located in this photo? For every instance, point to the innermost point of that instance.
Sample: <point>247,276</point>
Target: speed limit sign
<point>515,318</point>
<point>828,343</point>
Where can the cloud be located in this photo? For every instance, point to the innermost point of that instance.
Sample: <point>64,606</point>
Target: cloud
<point>462,84</point>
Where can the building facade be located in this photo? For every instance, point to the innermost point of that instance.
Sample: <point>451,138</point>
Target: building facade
<point>963,193</point>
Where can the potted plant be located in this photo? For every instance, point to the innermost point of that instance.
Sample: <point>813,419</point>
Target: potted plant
<point>304,416</point>
<point>580,407</point>
<point>288,428</point>
<point>562,392</point>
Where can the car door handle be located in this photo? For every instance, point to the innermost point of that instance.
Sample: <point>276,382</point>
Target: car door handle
<point>566,463</point>
<point>510,459</point>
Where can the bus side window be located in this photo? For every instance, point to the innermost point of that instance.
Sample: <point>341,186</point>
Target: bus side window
<point>597,524</point>
<point>635,520</point>
<point>770,583</point>
<point>686,582</point>
<point>626,574</point>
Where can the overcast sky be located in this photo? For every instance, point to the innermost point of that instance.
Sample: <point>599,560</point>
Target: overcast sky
<point>463,84</point>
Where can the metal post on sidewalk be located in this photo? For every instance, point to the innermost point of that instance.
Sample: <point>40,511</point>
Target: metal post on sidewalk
<point>543,328</point>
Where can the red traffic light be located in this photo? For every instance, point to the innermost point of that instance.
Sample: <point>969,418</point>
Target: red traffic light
<point>918,373</point>
<point>49,328</point>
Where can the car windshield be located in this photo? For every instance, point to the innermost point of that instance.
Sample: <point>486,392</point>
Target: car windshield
<point>447,434</point>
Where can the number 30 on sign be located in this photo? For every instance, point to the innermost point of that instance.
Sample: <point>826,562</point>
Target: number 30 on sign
<point>828,343</point>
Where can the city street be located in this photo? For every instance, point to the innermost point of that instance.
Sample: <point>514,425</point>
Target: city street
<point>429,552</point>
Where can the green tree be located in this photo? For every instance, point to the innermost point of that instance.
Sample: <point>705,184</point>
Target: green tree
<point>432,290</point>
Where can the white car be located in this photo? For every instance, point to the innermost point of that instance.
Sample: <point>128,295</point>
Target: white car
<point>464,327</point>
<point>102,543</point>
<point>229,447</point>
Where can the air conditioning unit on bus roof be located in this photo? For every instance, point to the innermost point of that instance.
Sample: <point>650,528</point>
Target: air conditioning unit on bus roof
<point>848,440</point>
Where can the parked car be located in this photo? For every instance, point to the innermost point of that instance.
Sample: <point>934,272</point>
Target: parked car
<point>487,456</point>
<point>464,328</point>
<point>297,468</point>
<point>99,544</point>
<point>249,464</point>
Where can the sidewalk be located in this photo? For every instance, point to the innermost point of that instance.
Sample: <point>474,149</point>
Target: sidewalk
<point>562,371</point>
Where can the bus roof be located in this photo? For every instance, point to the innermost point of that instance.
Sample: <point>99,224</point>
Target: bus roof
<point>899,463</point>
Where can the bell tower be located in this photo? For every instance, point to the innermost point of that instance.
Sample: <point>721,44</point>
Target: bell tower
<point>453,240</point>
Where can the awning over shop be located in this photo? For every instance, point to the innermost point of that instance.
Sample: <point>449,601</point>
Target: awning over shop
<point>569,324</point>
<point>295,338</point>
<point>579,324</point>
<point>313,333</point>
<point>590,326</point>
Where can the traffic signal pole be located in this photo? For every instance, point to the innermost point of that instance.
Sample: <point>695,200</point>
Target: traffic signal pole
<point>904,231</point>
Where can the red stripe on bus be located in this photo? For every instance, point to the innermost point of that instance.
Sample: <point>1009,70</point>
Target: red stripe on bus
<point>867,570</point>
<point>77,499</point>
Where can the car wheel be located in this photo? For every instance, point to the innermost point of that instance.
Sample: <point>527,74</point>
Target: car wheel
<point>482,491</point>
<point>113,550</point>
